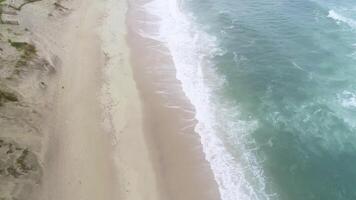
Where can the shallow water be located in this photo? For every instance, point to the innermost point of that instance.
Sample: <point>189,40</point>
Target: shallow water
<point>288,71</point>
<point>273,85</point>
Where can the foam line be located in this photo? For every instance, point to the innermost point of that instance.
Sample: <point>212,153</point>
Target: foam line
<point>191,50</point>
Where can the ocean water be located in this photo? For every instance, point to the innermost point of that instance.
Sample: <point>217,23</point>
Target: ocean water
<point>274,87</point>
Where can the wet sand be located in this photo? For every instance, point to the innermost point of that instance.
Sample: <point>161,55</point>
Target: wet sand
<point>183,173</point>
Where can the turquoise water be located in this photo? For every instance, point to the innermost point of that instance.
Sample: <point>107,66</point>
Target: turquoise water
<point>289,68</point>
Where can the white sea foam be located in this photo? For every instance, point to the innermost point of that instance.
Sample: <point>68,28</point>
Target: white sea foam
<point>347,99</point>
<point>341,19</point>
<point>191,50</point>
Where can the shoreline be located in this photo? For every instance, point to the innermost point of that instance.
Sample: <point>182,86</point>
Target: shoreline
<point>182,169</point>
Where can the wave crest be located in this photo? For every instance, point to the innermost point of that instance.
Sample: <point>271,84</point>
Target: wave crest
<point>342,19</point>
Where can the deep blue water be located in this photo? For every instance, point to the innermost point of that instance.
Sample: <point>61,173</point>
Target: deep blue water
<point>289,67</point>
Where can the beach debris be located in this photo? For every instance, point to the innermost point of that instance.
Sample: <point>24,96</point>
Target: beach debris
<point>60,9</point>
<point>43,85</point>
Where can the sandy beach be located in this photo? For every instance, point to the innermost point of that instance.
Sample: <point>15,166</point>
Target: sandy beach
<point>106,132</point>
<point>177,100</point>
<point>97,149</point>
<point>78,162</point>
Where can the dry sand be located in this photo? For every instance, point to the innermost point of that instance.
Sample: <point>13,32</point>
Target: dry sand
<point>124,117</point>
<point>78,164</point>
<point>96,148</point>
<point>105,140</point>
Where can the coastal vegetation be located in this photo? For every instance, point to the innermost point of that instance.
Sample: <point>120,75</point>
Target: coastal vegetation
<point>17,161</point>
<point>22,75</point>
<point>28,52</point>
